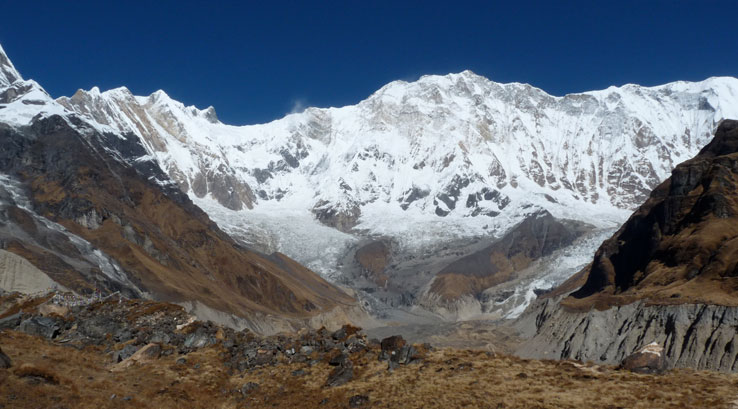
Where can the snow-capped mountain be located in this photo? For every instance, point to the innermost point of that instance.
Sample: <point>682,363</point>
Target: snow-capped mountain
<point>431,166</point>
<point>454,145</point>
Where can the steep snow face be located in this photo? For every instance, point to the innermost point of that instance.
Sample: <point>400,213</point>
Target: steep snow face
<point>21,100</point>
<point>8,73</point>
<point>456,144</point>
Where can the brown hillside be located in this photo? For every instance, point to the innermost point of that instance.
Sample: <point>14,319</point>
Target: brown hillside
<point>165,244</point>
<point>681,246</point>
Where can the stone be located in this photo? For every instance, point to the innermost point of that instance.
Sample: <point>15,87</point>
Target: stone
<point>299,372</point>
<point>144,355</point>
<point>406,355</point>
<point>40,326</point>
<point>358,401</point>
<point>340,375</point>
<point>340,334</point>
<point>339,359</point>
<point>393,343</point>
<point>247,388</point>
<point>97,328</point>
<point>160,337</point>
<point>124,353</point>
<point>647,360</point>
<point>198,339</point>
<point>11,321</point>
<point>4,360</point>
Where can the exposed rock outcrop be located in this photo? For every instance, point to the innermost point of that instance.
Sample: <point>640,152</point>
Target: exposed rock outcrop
<point>693,335</point>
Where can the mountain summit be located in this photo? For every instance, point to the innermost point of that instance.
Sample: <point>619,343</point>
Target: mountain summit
<point>8,73</point>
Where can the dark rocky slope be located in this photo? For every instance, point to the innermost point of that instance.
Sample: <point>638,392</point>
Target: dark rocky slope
<point>669,275</point>
<point>96,187</point>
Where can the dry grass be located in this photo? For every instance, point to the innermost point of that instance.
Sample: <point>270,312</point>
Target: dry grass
<point>446,379</point>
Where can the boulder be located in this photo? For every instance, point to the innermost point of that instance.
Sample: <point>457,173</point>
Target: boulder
<point>340,375</point>
<point>405,355</point>
<point>124,353</point>
<point>144,355</point>
<point>647,360</point>
<point>4,360</point>
<point>11,321</point>
<point>339,360</point>
<point>40,326</point>
<point>199,339</point>
<point>391,346</point>
<point>393,343</point>
<point>358,401</point>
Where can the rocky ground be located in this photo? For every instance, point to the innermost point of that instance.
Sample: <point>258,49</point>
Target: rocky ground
<point>64,352</point>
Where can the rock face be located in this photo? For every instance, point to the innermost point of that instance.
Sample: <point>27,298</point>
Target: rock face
<point>667,276</point>
<point>693,335</point>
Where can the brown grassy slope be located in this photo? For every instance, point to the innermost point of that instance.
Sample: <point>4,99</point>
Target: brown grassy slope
<point>163,241</point>
<point>45,375</point>
<point>681,246</point>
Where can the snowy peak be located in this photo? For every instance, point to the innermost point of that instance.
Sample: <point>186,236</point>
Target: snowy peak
<point>8,73</point>
<point>22,100</point>
<point>457,144</point>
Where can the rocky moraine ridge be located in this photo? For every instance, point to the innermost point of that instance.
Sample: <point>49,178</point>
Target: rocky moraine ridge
<point>669,275</point>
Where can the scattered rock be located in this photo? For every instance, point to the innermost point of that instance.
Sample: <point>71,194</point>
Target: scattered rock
<point>647,360</point>
<point>299,372</point>
<point>358,401</point>
<point>4,360</point>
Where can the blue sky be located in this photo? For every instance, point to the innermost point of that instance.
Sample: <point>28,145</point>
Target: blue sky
<point>255,61</point>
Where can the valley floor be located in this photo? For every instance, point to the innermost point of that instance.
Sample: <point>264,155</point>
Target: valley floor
<point>49,374</point>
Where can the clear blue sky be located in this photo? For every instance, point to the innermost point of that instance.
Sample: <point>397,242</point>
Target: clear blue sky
<point>254,61</point>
